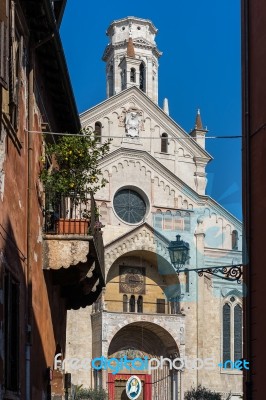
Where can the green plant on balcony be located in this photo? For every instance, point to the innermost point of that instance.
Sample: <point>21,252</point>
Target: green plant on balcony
<point>75,165</point>
<point>71,177</point>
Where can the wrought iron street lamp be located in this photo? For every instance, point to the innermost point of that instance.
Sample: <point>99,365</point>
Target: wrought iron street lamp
<point>179,255</point>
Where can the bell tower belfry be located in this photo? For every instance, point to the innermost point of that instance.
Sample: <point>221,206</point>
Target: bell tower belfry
<point>132,57</point>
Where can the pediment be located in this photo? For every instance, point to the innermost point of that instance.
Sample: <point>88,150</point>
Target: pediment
<point>143,238</point>
<point>143,161</point>
<point>152,115</point>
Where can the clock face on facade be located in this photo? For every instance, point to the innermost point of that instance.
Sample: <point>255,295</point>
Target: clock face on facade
<point>132,280</point>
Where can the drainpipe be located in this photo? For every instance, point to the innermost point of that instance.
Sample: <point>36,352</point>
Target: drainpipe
<point>29,224</point>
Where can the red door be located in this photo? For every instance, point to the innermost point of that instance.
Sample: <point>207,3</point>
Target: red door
<point>116,394</point>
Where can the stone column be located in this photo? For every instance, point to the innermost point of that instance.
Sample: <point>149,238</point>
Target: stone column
<point>200,235</point>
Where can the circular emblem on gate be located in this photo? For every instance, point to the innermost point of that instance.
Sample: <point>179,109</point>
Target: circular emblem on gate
<point>133,387</point>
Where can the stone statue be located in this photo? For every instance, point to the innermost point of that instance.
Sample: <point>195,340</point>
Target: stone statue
<point>132,124</point>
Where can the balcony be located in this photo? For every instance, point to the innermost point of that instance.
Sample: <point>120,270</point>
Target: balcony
<point>138,306</point>
<point>73,247</point>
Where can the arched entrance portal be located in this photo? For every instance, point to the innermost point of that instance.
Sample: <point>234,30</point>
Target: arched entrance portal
<point>138,341</point>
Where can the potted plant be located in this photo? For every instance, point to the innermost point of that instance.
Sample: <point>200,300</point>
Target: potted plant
<point>71,177</point>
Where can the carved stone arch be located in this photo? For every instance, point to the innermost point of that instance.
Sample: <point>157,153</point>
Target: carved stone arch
<point>126,322</point>
<point>119,166</point>
<point>114,168</point>
<point>181,152</point>
<point>185,204</point>
<point>167,189</point>
<point>207,212</point>
<point>147,123</point>
<point>144,169</point>
<point>131,244</point>
<point>156,180</point>
<point>190,206</point>
<point>125,163</point>
<point>157,130</point>
<point>172,193</point>
<point>228,227</point>
<point>138,165</point>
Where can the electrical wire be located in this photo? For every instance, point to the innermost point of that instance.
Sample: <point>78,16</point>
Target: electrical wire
<point>142,137</point>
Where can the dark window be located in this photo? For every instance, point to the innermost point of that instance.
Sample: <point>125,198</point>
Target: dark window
<point>132,75</point>
<point>174,305</point>
<point>160,306</point>
<point>98,131</point>
<point>187,280</point>
<point>11,330</point>
<point>234,240</point>
<point>142,78</point>
<point>132,302</point>
<point>140,304</point>
<point>164,143</point>
<point>226,332</point>
<point>237,332</point>
<point>125,307</point>
<point>111,81</point>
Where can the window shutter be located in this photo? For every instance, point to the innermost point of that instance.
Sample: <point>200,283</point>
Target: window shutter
<point>160,306</point>
<point>4,54</point>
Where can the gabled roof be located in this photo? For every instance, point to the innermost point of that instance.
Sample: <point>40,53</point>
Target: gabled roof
<point>136,228</point>
<point>203,200</point>
<point>152,109</point>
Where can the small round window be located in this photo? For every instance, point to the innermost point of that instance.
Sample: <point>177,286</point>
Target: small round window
<point>129,206</point>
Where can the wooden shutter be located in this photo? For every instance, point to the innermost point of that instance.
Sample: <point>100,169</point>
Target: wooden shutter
<point>4,47</point>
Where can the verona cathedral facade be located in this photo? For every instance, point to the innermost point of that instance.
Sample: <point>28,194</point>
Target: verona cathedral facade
<point>156,191</point>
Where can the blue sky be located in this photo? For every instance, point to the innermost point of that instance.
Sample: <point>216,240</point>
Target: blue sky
<point>199,68</point>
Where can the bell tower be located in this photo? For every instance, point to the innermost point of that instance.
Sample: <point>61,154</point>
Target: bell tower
<point>132,57</point>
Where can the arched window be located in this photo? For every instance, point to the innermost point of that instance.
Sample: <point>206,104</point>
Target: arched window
<point>98,131</point>
<point>140,304</point>
<point>234,240</point>
<point>132,75</point>
<point>226,332</point>
<point>125,303</point>
<point>178,221</point>
<point>142,77</point>
<point>237,332</point>
<point>232,332</point>
<point>175,305</point>
<point>187,280</point>
<point>123,79</point>
<point>187,221</point>
<point>164,143</point>
<point>168,221</point>
<point>132,302</point>
<point>110,80</point>
<point>158,220</point>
